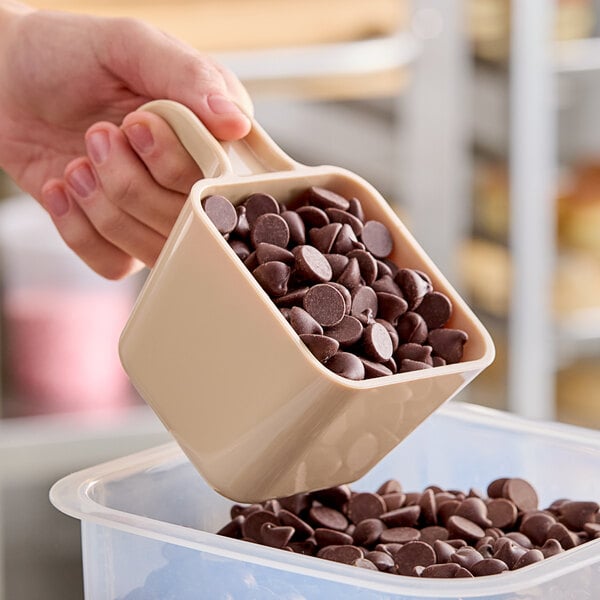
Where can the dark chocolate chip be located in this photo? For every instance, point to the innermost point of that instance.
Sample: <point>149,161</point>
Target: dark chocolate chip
<point>517,490</point>
<point>382,560</point>
<point>367,265</point>
<point>391,486</point>
<point>350,276</point>
<point>270,228</point>
<point>221,212</point>
<point>367,532</point>
<point>312,216</point>
<point>407,365</point>
<point>433,533</point>
<point>233,529</point>
<point>414,287</point>
<point>413,554</point>
<point>488,566</point>
<point>391,307</point>
<point>413,352</point>
<point>373,369</point>
<point>276,536</point>
<point>242,228</point>
<point>337,215</point>
<point>447,570</point>
<point>310,265</point>
<point>321,346</point>
<point>364,299</point>
<point>448,343</point>
<point>328,518</point>
<point>399,535</point>
<point>344,554</point>
<point>322,238</point>
<point>463,528</point>
<point>240,248</point>
<point>303,323</point>
<point>502,513</point>
<point>260,204</point>
<point>270,252</point>
<point>529,557</point>
<point>324,198</point>
<point>365,505</point>
<point>536,527</point>
<point>388,285</point>
<point>335,497</point>
<point>363,563</point>
<point>293,298</point>
<point>325,304</point>
<point>355,208</point>
<point>406,516</point>
<point>494,489</point>
<point>475,510</point>
<point>377,343</point>
<point>436,309</point>
<point>330,537</point>
<point>551,547</point>
<point>576,514</point>
<point>411,327</point>
<point>345,241</point>
<point>347,332</point>
<point>296,227</point>
<point>251,527</point>
<point>273,277</point>
<point>377,239</point>
<point>347,365</point>
<point>302,530</point>
<point>338,263</point>
<point>466,557</point>
<point>563,536</point>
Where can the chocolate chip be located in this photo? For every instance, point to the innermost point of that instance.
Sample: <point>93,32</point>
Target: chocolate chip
<point>242,228</point>
<point>551,547</point>
<point>464,528</point>
<point>576,514</point>
<point>337,215</point>
<point>447,570</point>
<point>312,216</point>
<point>293,298</point>
<point>347,365</point>
<point>337,262</point>
<point>275,536</point>
<point>367,265</point>
<point>428,506</point>
<point>364,299</point>
<point>233,529</point>
<point>517,490</point>
<point>321,346</point>
<point>329,537</point>
<point>363,563</point>
<point>302,530</point>
<point>307,547</point>
<point>328,518</point>
<point>221,213</point>
<point>335,497</point>
<point>448,343</point>
<point>347,332</point>
<point>437,361</point>
<point>310,265</point>
<point>391,307</point>
<point>530,557</point>
<point>433,533</point>
<point>488,566</point>
<point>494,489</point>
<point>466,557</point>
<point>382,560</point>
<point>355,208</point>
<point>303,323</point>
<point>345,241</point>
<point>365,506</point>
<point>324,198</point>
<point>251,527</point>
<point>325,304</point>
<point>240,248</point>
<point>407,365</point>
<point>377,343</point>
<point>508,551</point>
<point>373,369</point>
<point>270,228</point>
<point>414,352</point>
<point>260,204</point>
<point>296,227</point>
<point>388,285</point>
<point>413,554</point>
<point>269,252</point>
<point>436,309</point>
<point>391,486</point>
<point>350,276</point>
<point>520,538</point>
<point>406,516</point>
<point>323,238</point>
<point>475,510</point>
<point>411,327</point>
<point>273,277</point>
<point>536,527</point>
<point>399,535</point>
<point>502,513</point>
<point>367,532</point>
<point>344,554</point>
<point>414,287</point>
<point>443,551</point>
<point>563,536</point>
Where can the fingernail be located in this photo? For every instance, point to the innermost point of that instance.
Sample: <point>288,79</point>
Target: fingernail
<point>140,137</point>
<point>221,105</point>
<point>82,180</point>
<point>98,145</point>
<point>56,201</point>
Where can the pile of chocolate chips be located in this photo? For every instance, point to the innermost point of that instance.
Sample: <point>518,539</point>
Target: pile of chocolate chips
<point>434,533</point>
<point>327,269</point>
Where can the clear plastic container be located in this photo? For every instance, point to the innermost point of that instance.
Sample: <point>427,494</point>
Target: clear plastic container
<point>148,520</point>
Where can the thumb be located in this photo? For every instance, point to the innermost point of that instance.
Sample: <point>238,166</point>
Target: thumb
<point>154,65</point>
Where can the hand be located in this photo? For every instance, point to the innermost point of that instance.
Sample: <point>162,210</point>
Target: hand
<point>112,180</point>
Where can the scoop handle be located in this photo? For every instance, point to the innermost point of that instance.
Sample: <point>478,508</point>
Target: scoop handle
<point>254,154</point>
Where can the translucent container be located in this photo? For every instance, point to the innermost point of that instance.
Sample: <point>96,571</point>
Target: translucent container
<point>148,520</point>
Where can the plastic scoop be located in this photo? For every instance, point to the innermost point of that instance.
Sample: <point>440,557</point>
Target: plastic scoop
<point>256,413</point>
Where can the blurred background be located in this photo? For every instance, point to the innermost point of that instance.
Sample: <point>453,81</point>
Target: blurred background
<point>477,119</point>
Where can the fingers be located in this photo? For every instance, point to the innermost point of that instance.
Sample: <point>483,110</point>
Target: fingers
<point>80,235</point>
<point>161,151</point>
<point>154,65</point>
<point>127,184</point>
<point>110,221</point>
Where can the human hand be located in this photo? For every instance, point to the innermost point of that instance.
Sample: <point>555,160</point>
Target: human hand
<point>113,180</point>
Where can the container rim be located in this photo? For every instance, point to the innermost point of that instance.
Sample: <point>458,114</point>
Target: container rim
<point>72,496</point>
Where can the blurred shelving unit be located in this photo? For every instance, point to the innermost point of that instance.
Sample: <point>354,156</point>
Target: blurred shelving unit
<point>536,261</point>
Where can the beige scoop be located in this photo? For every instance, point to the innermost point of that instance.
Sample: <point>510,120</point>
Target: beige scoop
<point>255,412</point>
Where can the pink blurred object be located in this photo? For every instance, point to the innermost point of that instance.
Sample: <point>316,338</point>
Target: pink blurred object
<point>61,321</point>
<point>62,349</point>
